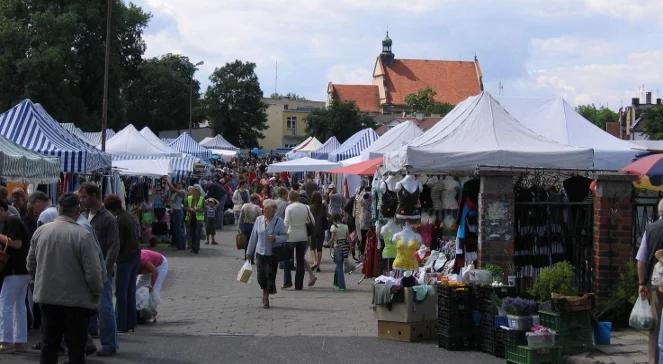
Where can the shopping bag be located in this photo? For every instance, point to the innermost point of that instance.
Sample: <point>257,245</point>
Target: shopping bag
<point>245,272</point>
<point>641,315</point>
<point>241,241</point>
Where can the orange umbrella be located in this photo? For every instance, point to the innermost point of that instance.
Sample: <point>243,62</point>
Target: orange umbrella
<point>365,168</point>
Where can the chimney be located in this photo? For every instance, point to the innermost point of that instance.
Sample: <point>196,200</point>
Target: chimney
<point>648,98</point>
<point>635,101</point>
<point>658,101</point>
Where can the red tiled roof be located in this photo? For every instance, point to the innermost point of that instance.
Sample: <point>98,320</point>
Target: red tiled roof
<point>365,96</point>
<point>453,81</point>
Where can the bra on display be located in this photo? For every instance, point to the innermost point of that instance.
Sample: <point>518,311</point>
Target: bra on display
<point>389,203</point>
<point>407,204</point>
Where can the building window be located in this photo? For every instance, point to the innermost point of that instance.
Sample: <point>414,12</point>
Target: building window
<point>292,122</point>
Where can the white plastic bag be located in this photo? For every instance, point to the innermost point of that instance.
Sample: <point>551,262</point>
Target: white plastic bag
<point>641,315</point>
<point>245,272</point>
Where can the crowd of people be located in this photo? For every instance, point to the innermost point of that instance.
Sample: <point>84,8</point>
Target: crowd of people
<point>73,270</point>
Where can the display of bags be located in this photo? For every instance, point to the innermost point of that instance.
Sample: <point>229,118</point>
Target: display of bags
<point>241,241</point>
<point>245,272</point>
<point>641,315</point>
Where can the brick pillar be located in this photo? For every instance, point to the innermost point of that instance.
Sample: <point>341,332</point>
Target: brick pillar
<point>496,219</point>
<point>613,224</point>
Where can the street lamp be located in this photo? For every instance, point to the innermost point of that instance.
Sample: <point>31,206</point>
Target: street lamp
<point>191,94</point>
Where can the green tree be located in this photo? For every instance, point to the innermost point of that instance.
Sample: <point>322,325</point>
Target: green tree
<point>53,53</point>
<point>653,123</point>
<point>289,95</point>
<point>423,101</point>
<point>341,119</point>
<point>233,104</point>
<point>598,116</point>
<point>159,96</point>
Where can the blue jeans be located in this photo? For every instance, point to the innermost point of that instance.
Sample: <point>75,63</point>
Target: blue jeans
<point>125,294</point>
<point>339,278</point>
<point>177,229</point>
<point>107,324</point>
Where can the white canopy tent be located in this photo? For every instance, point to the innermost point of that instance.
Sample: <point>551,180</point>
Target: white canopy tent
<point>224,154</point>
<point>305,164</point>
<point>392,140</point>
<point>304,149</point>
<point>130,141</point>
<point>217,142</point>
<point>329,146</point>
<point>480,132</point>
<point>156,141</point>
<point>558,120</point>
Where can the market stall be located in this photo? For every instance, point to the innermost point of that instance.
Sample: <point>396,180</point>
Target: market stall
<point>217,142</point>
<point>154,140</point>
<point>354,145</point>
<point>28,125</point>
<point>187,145</point>
<point>23,165</point>
<point>302,165</point>
<point>480,132</point>
<point>558,120</point>
<point>304,148</point>
<point>327,147</point>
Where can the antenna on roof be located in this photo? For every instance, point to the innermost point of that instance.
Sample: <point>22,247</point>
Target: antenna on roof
<point>276,75</point>
<point>500,89</point>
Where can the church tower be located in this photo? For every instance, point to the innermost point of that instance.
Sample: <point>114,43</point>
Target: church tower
<point>387,56</point>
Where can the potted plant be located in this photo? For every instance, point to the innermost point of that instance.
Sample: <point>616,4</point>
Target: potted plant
<point>556,279</point>
<point>519,312</point>
<point>496,271</point>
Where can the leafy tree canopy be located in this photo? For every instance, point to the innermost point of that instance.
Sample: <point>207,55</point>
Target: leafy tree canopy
<point>53,53</point>
<point>598,116</point>
<point>653,122</point>
<point>423,101</point>
<point>233,104</point>
<point>341,119</point>
<point>160,95</point>
<point>289,95</point>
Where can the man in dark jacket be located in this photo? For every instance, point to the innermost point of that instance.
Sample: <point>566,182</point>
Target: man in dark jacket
<point>218,192</point>
<point>127,264</point>
<point>107,233</point>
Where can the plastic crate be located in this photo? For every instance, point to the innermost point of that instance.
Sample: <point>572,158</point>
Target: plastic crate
<point>454,343</point>
<point>565,323</point>
<point>511,337</point>
<point>521,354</point>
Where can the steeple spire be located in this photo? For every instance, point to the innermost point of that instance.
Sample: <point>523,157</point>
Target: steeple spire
<point>387,56</point>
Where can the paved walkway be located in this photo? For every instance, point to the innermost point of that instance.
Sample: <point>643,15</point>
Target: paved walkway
<point>206,316</point>
<point>627,347</point>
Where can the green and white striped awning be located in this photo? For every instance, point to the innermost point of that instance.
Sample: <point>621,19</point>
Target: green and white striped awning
<point>20,164</point>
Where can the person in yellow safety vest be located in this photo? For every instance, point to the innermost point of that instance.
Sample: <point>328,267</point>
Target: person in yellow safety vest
<point>195,216</point>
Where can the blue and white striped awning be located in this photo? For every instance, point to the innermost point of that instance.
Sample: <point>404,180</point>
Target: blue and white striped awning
<point>20,164</point>
<point>30,126</point>
<point>180,167</point>
<point>95,136</point>
<point>354,145</point>
<point>329,146</point>
<point>218,142</point>
<point>76,131</point>
<point>186,144</point>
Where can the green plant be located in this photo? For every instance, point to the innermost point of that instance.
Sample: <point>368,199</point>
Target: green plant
<point>618,307</point>
<point>496,271</point>
<point>558,279</point>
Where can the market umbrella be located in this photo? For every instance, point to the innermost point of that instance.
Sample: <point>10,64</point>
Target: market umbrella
<point>365,168</point>
<point>650,172</point>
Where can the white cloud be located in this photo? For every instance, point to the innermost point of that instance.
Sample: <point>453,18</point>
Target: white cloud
<point>632,10</point>
<point>347,74</point>
<point>613,84</point>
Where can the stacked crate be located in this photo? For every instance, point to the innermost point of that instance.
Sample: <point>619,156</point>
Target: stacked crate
<point>574,330</point>
<point>454,318</point>
<point>490,341</point>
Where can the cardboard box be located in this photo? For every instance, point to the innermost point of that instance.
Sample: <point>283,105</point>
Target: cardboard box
<point>409,311</point>
<point>402,331</point>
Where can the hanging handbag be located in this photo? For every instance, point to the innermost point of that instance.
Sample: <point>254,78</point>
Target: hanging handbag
<point>4,257</point>
<point>310,226</point>
<point>241,241</point>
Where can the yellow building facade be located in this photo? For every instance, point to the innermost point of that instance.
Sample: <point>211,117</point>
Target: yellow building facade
<point>286,122</point>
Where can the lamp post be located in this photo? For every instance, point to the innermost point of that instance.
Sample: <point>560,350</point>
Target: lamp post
<point>191,94</point>
<point>104,105</point>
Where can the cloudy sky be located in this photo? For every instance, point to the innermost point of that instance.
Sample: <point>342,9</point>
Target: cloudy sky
<point>589,51</point>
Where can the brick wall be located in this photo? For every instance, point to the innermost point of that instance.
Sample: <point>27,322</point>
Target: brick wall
<point>613,223</point>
